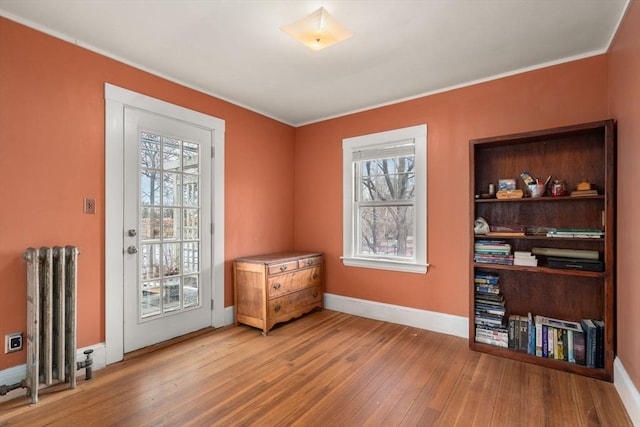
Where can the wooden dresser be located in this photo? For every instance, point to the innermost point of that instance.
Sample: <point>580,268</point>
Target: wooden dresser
<point>275,288</point>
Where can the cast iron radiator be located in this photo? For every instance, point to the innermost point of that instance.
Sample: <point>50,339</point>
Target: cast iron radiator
<point>51,317</point>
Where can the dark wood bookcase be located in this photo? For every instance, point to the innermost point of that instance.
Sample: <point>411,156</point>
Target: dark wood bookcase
<point>573,154</point>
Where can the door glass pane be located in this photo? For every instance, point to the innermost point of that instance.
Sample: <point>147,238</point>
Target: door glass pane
<point>190,190</point>
<point>190,224</point>
<point>150,262</point>
<point>191,291</point>
<point>190,257</point>
<point>171,300</point>
<point>191,158</point>
<point>149,187</point>
<point>171,160</point>
<point>150,223</point>
<point>171,185</point>
<point>150,298</point>
<point>169,225</point>
<point>171,259</point>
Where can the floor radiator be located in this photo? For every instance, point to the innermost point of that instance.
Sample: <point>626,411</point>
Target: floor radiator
<point>51,317</point>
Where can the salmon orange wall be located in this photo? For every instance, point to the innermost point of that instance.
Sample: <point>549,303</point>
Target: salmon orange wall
<point>560,95</point>
<point>52,156</point>
<point>624,86</point>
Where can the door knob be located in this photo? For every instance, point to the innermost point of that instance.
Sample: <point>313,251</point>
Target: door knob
<point>132,250</point>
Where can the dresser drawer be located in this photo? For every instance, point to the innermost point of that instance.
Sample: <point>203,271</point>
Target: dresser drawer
<point>296,303</point>
<point>290,282</point>
<point>282,268</point>
<point>309,262</point>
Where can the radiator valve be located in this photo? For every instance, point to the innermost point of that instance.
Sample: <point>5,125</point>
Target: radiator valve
<point>86,365</point>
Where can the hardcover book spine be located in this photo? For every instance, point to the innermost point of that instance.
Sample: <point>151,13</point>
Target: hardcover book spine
<point>570,356</point>
<point>532,335</point>
<point>538,338</point>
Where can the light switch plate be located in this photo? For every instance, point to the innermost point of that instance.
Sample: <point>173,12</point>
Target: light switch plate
<point>89,206</point>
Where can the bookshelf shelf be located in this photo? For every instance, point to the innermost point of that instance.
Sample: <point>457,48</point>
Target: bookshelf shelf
<point>540,269</point>
<point>597,373</point>
<point>545,199</point>
<point>571,154</point>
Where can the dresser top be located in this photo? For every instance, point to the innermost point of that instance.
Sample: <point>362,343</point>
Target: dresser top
<point>277,257</point>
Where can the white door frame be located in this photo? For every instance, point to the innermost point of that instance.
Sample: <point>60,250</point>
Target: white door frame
<point>116,99</point>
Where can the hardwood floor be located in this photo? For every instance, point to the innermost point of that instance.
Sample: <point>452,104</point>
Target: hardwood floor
<point>324,369</point>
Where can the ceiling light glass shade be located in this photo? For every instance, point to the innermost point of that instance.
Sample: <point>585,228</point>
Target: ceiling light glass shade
<point>317,30</point>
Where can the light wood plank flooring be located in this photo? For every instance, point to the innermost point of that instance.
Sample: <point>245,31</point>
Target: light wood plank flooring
<point>324,369</point>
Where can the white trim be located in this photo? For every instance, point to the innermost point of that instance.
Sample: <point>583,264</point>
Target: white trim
<point>229,315</point>
<point>350,146</point>
<point>16,374</point>
<point>417,318</point>
<point>116,99</point>
<point>627,391</point>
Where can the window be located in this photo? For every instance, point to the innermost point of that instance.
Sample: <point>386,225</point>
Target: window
<point>385,200</point>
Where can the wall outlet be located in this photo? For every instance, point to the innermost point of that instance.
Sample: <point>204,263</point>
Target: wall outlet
<point>13,342</point>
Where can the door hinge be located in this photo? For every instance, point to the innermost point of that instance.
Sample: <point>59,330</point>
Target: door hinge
<point>211,305</point>
<point>213,152</point>
<point>211,228</point>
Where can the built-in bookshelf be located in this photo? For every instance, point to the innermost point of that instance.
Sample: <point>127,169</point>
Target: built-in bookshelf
<point>575,287</point>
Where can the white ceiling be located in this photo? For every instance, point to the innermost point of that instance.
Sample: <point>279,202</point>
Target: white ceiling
<point>401,49</point>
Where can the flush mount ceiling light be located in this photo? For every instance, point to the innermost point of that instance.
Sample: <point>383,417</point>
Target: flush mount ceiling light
<point>317,30</point>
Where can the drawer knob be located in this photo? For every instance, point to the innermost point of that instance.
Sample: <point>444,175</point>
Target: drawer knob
<point>310,262</point>
<point>315,294</point>
<point>283,268</point>
<point>276,286</point>
<point>315,276</point>
<point>277,307</point>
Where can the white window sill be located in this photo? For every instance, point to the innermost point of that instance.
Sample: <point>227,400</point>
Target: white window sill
<point>385,264</point>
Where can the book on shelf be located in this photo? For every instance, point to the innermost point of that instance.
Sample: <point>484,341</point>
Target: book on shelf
<point>599,359</point>
<point>493,259</point>
<point>579,348</point>
<point>494,336</point>
<point>514,338</point>
<point>576,233</point>
<point>584,193</point>
<point>524,258</point>
<point>575,264</point>
<point>524,334</point>
<point>590,342</point>
<point>565,253</point>
<point>506,231</point>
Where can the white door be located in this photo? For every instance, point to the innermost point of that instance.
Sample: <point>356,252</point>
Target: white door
<point>167,228</point>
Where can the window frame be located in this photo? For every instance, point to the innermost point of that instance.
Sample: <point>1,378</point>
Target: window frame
<point>382,140</point>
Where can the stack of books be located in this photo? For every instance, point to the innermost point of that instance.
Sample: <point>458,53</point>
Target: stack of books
<point>525,258</point>
<point>489,310</point>
<point>493,252</point>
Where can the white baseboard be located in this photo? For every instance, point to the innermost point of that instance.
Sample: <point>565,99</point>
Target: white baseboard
<point>229,315</point>
<point>423,319</point>
<point>627,391</point>
<point>16,374</point>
